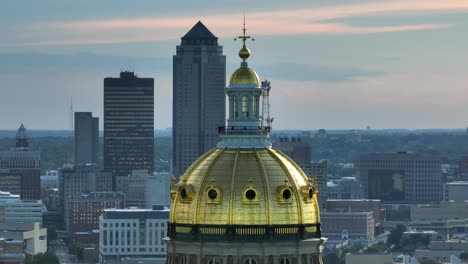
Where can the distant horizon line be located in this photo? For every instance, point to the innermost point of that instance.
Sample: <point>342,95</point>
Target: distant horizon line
<point>274,129</point>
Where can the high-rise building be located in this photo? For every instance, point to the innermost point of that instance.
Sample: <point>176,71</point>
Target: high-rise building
<point>21,164</point>
<point>401,177</point>
<point>198,108</point>
<point>244,201</point>
<point>128,124</point>
<point>134,187</point>
<point>463,168</point>
<point>86,138</point>
<point>78,179</point>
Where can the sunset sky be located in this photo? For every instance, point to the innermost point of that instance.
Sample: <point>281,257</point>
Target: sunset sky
<point>333,64</point>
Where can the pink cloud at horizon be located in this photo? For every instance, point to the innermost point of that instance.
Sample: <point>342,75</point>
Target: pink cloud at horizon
<point>285,22</point>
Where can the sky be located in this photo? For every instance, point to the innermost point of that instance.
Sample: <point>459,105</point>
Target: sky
<point>333,64</point>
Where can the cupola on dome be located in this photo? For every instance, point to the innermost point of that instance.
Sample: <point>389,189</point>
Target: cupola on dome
<point>244,75</point>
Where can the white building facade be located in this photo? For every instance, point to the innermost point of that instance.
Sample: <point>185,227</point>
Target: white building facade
<point>456,191</point>
<point>133,233</point>
<point>158,189</point>
<point>14,210</point>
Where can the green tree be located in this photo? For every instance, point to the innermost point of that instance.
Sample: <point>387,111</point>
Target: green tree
<point>428,261</point>
<point>377,248</point>
<point>414,241</point>
<point>395,236</point>
<point>51,234</point>
<point>353,248</point>
<point>42,258</point>
<point>333,258</point>
<point>76,249</point>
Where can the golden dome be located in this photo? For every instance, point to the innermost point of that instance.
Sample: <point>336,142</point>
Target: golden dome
<point>244,75</point>
<point>244,187</point>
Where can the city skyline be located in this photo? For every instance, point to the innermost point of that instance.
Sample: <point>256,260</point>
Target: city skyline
<point>387,64</point>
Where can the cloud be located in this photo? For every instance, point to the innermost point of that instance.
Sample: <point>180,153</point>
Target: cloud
<point>43,63</point>
<point>304,21</point>
<point>304,72</point>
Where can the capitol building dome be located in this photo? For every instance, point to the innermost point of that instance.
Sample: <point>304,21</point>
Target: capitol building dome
<point>245,202</point>
<point>246,187</point>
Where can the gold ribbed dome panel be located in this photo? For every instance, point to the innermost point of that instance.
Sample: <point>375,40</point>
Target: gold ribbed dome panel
<point>244,75</point>
<point>232,173</point>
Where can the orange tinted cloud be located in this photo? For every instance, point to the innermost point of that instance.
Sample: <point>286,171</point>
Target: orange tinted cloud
<point>308,20</point>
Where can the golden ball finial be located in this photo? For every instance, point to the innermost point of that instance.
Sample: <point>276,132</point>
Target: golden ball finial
<point>244,53</point>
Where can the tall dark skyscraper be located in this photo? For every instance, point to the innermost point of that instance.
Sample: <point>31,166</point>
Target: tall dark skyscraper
<point>128,124</point>
<point>199,79</point>
<point>86,138</point>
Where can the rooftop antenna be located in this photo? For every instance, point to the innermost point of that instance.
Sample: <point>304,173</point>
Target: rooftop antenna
<point>266,87</point>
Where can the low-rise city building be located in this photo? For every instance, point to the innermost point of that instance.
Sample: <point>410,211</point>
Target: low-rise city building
<point>31,234</point>
<point>86,209</point>
<point>447,219</point>
<point>358,205</point>
<point>158,189</point>
<point>345,188</point>
<point>14,210</point>
<point>373,258</point>
<point>456,191</point>
<point>133,234</point>
<point>50,180</point>
<point>358,227</point>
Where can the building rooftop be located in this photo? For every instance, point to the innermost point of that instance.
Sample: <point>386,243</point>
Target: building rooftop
<point>458,183</point>
<point>135,213</point>
<point>199,34</point>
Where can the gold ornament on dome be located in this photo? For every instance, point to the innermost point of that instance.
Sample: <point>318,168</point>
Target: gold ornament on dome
<point>309,191</point>
<point>284,193</point>
<point>185,192</point>
<point>174,188</point>
<point>250,194</point>
<point>214,193</point>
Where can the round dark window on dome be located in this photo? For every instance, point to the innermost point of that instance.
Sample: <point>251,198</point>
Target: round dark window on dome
<point>311,193</point>
<point>183,193</point>
<point>250,194</point>
<point>212,194</point>
<point>286,194</point>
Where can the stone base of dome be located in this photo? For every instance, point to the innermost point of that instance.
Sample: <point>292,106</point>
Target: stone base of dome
<point>298,252</point>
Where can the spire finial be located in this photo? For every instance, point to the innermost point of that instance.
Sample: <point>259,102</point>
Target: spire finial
<point>244,53</point>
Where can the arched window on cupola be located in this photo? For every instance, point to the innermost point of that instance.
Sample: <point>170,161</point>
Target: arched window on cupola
<point>234,106</point>
<point>245,107</point>
<point>255,106</point>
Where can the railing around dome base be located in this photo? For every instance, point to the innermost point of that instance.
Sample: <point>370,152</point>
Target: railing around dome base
<point>243,232</point>
<point>244,130</point>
